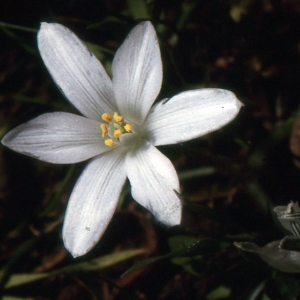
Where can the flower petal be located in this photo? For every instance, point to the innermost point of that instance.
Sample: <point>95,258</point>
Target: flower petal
<point>76,71</point>
<point>137,72</point>
<point>190,114</point>
<point>281,212</point>
<point>289,217</point>
<point>154,183</point>
<point>93,202</point>
<point>280,259</point>
<point>283,260</point>
<point>59,137</point>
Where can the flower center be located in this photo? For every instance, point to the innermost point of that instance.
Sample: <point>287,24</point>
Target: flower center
<point>113,128</point>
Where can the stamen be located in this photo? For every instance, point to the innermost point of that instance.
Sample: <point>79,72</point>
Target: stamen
<point>107,117</point>
<point>118,118</point>
<point>114,129</point>
<point>128,127</point>
<point>109,142</point>
<point>117,133</point>
<point>104,130</point>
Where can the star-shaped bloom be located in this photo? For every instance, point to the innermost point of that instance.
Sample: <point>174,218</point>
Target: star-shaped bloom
<point>119,129</point>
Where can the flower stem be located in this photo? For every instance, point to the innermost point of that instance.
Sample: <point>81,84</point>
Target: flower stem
<point>58,194</point>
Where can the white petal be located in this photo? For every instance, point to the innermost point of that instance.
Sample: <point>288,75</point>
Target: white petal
<point>76,71</point>
<point>281,213</point>
<point>137,73</point>
<point>287,214</point>
<point>280,259</point>
<point>190,114</point>
<point>283,260</point>
<point>59,137</point>
<point>93,202</point>
<point>154,183</point>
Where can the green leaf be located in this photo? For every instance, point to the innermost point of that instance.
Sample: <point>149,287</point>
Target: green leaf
<point>38,101</point>
<point>18,27</point>
<point>109,21</point>
<point>282,287</point>
<point>30,49</point>
<point>99,51</point>
<point>144,263</point>
<point>92,265</point>
<point>239,9</point>
<point>219,293</point>
<point>187,263</point>
<point>265,297</point>
<point>103,261</point>
<point>189,252</point>
<point>257,291</point>
<point>19,279</point>
<point>186,8</point>
<point>138,9</point>
<point>199,172</point>
<point>15,258</point>
<point>59,193</point>
<point>182,246</point>
<point>180,241</point>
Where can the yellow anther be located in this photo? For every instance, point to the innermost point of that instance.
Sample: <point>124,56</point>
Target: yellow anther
<point>107,117</point>
<point>104,130</point>
<point>109,142</point>
<point>118,118</point>
<point>128,127</point>
<point>117,133</point>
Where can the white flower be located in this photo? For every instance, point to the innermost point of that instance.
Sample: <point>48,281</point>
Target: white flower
<point>119,129</point>
<point>272,254</point>
<point>289,217</point>
<point>276,253</point>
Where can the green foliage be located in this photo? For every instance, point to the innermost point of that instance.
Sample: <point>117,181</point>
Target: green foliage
<point>93,265</point>
<point>282,288</point>
<point>185,249</point>
<point>220,292</point>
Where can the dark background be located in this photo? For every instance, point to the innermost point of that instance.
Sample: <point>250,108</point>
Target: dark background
<point>242,171</point>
